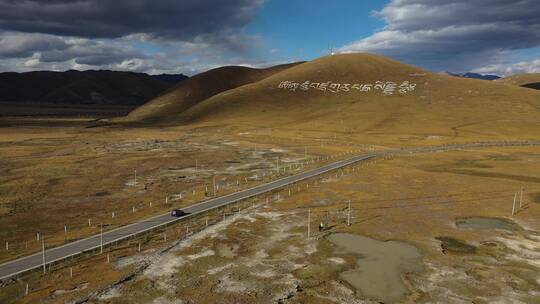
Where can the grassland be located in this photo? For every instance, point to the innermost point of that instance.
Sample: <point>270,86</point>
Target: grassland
<point>440,107</point>
<point>196,89</point>
<point>521,79</point>
<point>68,174</point>
<point>42,170</point>
<point>262,254</point>
<point>30,109</point>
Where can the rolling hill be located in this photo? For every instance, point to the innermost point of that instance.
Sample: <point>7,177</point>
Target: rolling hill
<point>526,80</point>
<point>83,87</point>
<point>370,95</point>
<point>188,93</point>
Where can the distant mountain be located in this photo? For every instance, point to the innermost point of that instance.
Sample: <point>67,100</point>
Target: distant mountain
<point>171,78</point>
<point>473,75</point>
<point>84,87</point>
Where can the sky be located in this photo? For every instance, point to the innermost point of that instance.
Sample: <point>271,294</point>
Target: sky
<point>191,36</point>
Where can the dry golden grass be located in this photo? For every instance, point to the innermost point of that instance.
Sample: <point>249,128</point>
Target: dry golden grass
<point>65,176</point>
<point>198,88</point>
<point>414,199</point>
<point>442,107</point>
<point>521,79</point>
<point>68,174</point>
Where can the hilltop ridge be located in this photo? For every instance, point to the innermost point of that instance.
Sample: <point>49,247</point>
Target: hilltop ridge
<point>370,94</point>
<point>526,80</point>
<point>198,88</point>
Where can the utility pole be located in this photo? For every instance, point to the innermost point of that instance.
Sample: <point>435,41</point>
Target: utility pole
<point>196,166</point>
<point>349,214</point>
<point>309,223</point>
<point>135,172</point>
<point>214,184</point>
<point>43,253</point>
<point>514,204</point>
<point>521,198</point>
<point>101,238</point>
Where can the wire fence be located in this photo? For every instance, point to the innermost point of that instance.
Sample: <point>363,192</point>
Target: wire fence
<point>88,226</point>
<point>343,212</point>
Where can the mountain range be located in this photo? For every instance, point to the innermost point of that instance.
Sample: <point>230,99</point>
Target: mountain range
<point>473,75</point>
<point>101,87</point>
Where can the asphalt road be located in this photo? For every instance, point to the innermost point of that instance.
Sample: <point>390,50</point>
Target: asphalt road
<point>34,261</point>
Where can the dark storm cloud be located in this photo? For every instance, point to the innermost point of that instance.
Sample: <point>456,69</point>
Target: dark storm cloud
<point>457,35</point>
<point>89,52</point>
<point>49,48</point>
<point>413,14</point>
<point>20,46</point>
<point>141,35</point>
<point>170,19</point>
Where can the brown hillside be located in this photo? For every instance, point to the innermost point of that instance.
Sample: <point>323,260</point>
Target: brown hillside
<point>188,93</point>
<point>439,106</point>
<point>526,80</point>
<point>521,79</point>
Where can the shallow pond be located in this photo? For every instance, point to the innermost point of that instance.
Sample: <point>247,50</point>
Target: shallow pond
<point>486,223</point>
<point>380,266</point>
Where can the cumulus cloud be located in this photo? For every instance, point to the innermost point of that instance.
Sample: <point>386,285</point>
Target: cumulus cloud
<point>20,46</point>
<point>459,35</point>
<point>27,52</point>
<point>532,66</point>
<point>36,49</point>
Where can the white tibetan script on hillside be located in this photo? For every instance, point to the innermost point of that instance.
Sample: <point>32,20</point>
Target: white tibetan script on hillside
<point>386,87</point>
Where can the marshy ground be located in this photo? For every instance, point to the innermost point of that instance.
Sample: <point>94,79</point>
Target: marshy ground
<point>440,223</point>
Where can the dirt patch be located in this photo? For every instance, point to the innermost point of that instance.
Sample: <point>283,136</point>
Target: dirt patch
<point>452,245</point>
<point>76,288</point>
<point>535,197</point>
<point>227,250</point>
